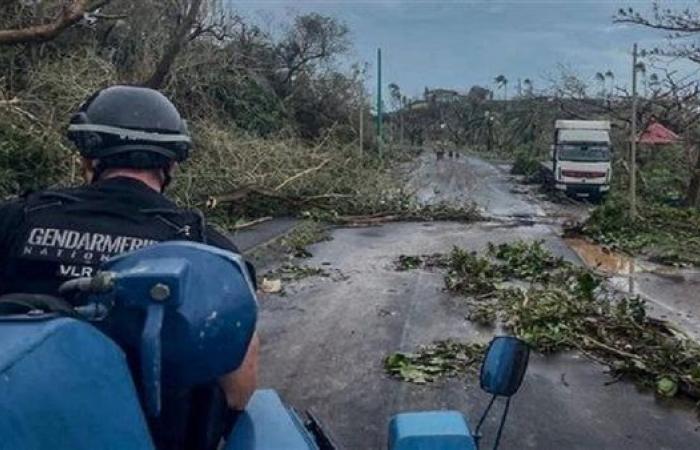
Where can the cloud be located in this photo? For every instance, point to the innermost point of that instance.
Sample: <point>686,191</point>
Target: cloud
<point>453,43</point>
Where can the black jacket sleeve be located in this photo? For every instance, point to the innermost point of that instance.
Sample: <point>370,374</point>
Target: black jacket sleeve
<point>219,239</point>
<point>11,214</point>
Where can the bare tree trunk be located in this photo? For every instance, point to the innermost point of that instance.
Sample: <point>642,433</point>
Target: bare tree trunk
<point>693,194</point>
<point>174,46</point>
<point>72,13</point>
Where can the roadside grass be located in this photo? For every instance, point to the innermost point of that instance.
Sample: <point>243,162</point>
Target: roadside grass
<point>556,305</point>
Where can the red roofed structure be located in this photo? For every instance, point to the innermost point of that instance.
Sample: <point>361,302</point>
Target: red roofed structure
<point>657,134</point>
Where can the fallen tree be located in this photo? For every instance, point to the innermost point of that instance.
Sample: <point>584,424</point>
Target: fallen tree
<point>69,14</point>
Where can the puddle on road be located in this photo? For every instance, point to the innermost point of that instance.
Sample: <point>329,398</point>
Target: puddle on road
<point>602,259</point>
<point>620,268</point>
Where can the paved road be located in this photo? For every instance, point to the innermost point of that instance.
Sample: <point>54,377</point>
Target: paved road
<point>249,239</point>
<point>325,339</point>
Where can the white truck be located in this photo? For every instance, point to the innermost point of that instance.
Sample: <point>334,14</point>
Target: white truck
<point>580,162</point>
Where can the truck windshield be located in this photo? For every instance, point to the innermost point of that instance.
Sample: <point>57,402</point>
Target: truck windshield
<point>584,152</point>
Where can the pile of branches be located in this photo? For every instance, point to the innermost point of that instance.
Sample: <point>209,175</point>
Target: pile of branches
<point>555,305</point>
<point>240,175</point>
<point>665,234</point>
<point>234,174</point>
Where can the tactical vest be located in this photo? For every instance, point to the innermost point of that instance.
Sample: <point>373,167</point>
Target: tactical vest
<point>62,236</point>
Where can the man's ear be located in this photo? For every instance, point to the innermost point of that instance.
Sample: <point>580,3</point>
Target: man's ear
<point>167,175</point>
<point>87,167</point>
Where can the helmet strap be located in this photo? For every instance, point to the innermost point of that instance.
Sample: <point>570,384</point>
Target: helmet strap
<point>97,170</point>
<point>167,179</point>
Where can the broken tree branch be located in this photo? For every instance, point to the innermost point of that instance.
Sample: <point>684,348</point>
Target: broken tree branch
<point>301,174</point>
<point>71,14</point>
<point>252,223</point>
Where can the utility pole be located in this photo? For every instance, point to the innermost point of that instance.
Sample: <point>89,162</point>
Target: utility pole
<point>487,115</point>
<point>379,103</point>
<point>633,143</point>
<point>401,119</point>
<point>362,120</point>
<point>520,88</point>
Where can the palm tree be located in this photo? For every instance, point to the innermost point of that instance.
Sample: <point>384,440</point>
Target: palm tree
<point>654,83</point>
<point>641,68</point>
<point>395,95</point>
<point>600,78</point>
<point>609,74</point>
<point>528,87</point>
<point>502,81</point>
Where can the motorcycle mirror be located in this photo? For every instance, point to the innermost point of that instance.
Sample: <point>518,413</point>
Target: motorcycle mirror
<point>504,366</point>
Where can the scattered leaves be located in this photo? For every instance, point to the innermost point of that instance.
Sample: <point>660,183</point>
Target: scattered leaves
<point>441,359</point>
<point>666,234</point>
<point>555,305</point>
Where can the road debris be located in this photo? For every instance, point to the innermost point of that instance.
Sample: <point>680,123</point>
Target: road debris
<point>307,233</point>
<point>556,305</point>
<point>413,212</point>
<point>294,272</point>
<point>441,359</point>
<point>664,234</point>
<point>271,286</point>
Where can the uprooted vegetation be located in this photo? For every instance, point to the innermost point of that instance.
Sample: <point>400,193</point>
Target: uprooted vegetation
<point>663,233</point>
<point>665,229</point>
<point>274,121</point>
<point>556,305</point>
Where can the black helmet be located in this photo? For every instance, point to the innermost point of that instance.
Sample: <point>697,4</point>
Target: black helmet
<point>136,126</point>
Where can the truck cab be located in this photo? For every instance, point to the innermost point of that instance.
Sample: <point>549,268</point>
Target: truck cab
<point>581,157</point>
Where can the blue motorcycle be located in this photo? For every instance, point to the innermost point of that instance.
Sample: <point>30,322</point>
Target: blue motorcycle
<point>65,383</point>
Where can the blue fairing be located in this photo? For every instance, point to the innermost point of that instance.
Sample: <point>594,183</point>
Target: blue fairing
<point>433,430</point>
<point>200,330</point>
<point>211,312</point>
<point>267,424</point>
<point>65,386</point>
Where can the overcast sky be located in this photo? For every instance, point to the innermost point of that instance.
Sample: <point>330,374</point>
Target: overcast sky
<point>459,43</point>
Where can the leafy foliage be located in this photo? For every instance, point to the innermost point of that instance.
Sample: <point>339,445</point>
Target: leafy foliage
<point>526,163</point>
<point>664,233</point>
<point>264,107</point>
<point>431,362</point>
<point>29,158</point>
<point>564,306</point>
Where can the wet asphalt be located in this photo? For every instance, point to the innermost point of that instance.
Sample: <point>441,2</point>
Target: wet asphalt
<point>325,338</point>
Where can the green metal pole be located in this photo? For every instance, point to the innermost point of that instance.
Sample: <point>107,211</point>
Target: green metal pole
<point>633,142</point>
<point>379,103</point>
